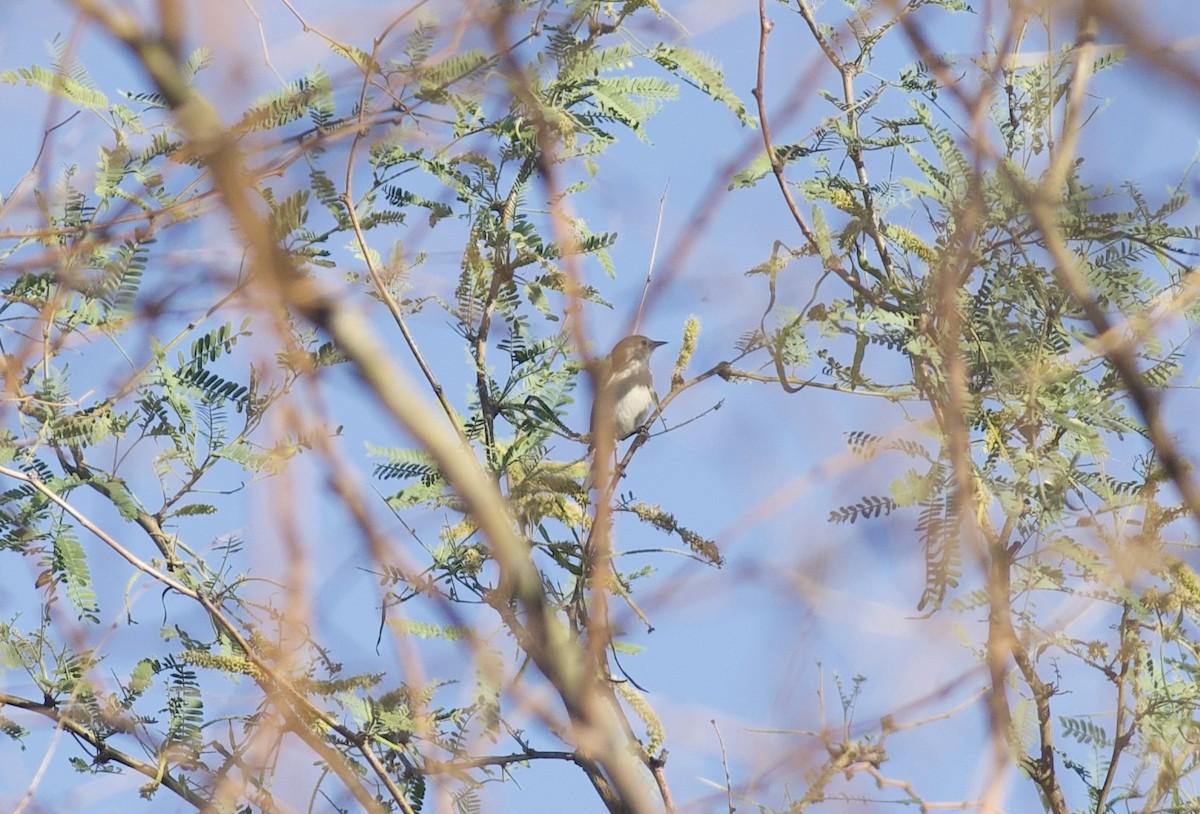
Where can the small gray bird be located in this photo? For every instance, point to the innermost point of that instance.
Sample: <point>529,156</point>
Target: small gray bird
<point>625,392</point>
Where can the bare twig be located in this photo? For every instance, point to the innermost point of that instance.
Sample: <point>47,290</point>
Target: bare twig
<point>725,766</point>
<point>637,317</point>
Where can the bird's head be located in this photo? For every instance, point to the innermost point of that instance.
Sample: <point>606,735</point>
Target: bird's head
<point>636,348</point>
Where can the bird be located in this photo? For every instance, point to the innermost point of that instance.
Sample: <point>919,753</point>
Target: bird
<point>624,391</point>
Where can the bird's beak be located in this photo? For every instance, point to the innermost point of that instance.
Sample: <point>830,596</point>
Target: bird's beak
<point>657,343</point>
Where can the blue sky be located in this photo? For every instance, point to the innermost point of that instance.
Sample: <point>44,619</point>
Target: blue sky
<point>800,600</point>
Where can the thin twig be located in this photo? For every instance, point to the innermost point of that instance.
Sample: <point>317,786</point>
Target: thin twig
<point>725,766</point>
<point>637,317</point>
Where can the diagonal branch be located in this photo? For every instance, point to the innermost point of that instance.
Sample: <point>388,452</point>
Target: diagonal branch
<point>104,752</point>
